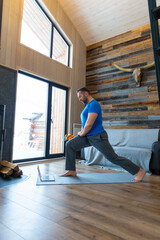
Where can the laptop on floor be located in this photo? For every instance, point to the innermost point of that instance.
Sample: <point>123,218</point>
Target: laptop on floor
<point>45,177</point>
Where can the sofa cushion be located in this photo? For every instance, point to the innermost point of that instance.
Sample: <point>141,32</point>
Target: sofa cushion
<point>141,138</point>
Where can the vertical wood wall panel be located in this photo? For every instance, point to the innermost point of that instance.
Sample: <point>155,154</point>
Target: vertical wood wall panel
<point>123,104</point>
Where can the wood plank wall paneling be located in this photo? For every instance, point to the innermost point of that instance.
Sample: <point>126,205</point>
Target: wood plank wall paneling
<point>123,104</point>
<point>1,6</point>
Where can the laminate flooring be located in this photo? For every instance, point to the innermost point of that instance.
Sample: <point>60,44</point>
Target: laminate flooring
<point>129,211</point>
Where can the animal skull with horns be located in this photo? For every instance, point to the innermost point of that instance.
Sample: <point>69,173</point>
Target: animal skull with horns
<point>137,72</point>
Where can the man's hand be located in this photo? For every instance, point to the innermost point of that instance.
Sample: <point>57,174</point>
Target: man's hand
<point>81,133</point>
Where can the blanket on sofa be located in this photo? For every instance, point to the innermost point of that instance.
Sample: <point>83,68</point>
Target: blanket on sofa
<point>134,144</point>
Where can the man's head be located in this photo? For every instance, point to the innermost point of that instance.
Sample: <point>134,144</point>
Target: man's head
<point>83,94</point>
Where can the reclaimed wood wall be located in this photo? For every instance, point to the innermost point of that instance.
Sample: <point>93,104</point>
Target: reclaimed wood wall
<point>123,104</point>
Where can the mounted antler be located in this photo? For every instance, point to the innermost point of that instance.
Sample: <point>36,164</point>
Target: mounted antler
<point>137,72</point>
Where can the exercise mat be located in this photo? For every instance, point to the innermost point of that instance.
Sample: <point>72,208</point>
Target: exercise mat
<point>88,178</point>
<point>9,181</point>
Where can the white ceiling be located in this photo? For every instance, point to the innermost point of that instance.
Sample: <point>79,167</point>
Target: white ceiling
<point>97,20</point>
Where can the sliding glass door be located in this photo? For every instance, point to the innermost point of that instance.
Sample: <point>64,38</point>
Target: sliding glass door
<point>40,119</point>
<point>58,109</point>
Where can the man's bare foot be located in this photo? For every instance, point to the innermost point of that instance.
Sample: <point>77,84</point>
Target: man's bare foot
<point>69,174</point>
<point>139,176</point>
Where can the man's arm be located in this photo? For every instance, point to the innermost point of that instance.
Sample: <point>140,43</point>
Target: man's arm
<point>89,123</point>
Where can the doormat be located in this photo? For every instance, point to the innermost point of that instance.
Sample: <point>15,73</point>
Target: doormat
<point>89,178</point>
<point>9,181</point>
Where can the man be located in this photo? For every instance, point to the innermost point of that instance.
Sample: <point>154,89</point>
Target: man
<point>93,134</point>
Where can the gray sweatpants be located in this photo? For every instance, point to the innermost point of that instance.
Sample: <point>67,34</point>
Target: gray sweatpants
<point>101,143</point>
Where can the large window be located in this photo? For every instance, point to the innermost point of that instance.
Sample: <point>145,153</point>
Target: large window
<point>31,118</point>
<point>39,33</point>
<point>36,28</point>
<point>39,120</point>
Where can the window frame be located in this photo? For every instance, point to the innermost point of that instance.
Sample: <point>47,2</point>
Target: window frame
<point>47,142</point>
<point>53,26</point>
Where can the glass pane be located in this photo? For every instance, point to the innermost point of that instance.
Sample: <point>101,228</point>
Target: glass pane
<point>60,48</point>
<point>36,28</point>
<point>58,120</point>
<point>30,120</point>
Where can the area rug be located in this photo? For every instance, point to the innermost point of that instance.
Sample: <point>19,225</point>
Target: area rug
<point>7,182</point>
<point>88,178</point>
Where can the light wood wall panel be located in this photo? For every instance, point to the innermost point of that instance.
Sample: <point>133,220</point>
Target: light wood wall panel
<point>17,56</point>
<point>32,61</point>
<point>123,104</point>
<point>9,34</point>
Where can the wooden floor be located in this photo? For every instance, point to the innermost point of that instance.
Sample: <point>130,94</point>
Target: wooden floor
<point>128,211</point>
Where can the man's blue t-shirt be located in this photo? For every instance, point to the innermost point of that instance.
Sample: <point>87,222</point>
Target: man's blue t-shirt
<point>93,107</point>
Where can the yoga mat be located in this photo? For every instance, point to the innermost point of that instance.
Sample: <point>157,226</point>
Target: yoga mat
<point>87,178</point>
<point>9,181</point>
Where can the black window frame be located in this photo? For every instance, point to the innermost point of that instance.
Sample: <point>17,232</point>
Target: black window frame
<point>2,128</point>
<point>64,41</point>
<point>52,31</point>
<point>50,84</point>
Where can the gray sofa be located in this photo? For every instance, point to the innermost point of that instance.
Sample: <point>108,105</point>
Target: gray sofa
<point>141,146</point>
